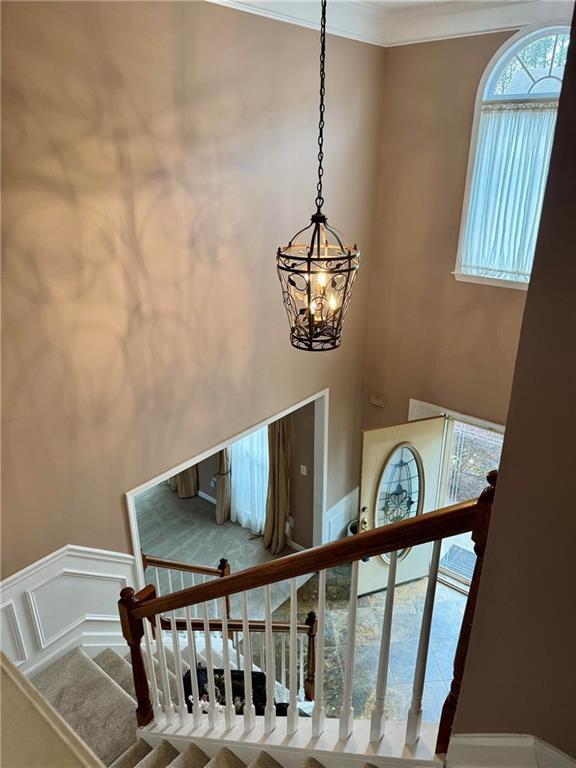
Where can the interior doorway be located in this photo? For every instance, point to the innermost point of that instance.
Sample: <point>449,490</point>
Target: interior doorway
<point>175,515</point>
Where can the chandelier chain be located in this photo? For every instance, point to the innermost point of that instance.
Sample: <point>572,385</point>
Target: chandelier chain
<point>319,198</point>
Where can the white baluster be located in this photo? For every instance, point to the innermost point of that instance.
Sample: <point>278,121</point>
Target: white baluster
<point>151,669</point>
<point>196,606</point>
<point>237,646</point>
<point>415,711</point>
<point>347,711</point>
<point>270,711</point>
<point>157,580</point>
<point>292,715</point>
<point>318,713</point>
<point>378,720</point>
<point>301,678</point>
<point>283,659</point>
<point>210,668</point>
<point>249,710</point>
<point>176,652</point>
<point>229,711</point>
<point>193,662</point>
<point>182,710</point>
<point>164,682</point>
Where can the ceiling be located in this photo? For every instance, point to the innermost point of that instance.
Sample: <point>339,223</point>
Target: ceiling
<point>399,22</point>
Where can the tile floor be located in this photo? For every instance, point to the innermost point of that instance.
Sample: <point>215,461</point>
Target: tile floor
<point>408,605</point>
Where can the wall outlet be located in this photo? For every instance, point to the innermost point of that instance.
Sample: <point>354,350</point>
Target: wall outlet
<point>212,482</point>
<point>303,469</point>
<point>290,521</point>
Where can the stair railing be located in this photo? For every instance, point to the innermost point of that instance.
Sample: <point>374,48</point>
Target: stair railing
<point>136,608</point>
<point>169,575</point>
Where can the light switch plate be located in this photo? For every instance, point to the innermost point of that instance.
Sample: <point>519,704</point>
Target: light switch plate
<point>303,469</point>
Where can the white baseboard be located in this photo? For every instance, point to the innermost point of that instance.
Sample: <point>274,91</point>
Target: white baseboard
<point>206,497</point>
<point>294,546</point>
<point>505,750</point>
<point>66,599</point>
<point>340,515</point>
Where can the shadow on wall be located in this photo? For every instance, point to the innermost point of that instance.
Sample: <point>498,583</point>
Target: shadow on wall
<point>126,245</point>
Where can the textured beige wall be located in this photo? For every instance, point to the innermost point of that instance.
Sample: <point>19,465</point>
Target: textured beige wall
<point>430,337</point>
<point>521,671</point>
<point>155,155</point>
<point>302,486</point>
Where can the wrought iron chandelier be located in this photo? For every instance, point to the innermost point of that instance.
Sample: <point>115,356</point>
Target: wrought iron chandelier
<point>317,268</point>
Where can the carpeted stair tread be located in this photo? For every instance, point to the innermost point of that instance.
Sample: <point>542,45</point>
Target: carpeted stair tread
<point>92,704</point>
<point>171,662</point>
<point>133,755</point>
<point>171,680</point>
<point>264,760</point>
<point>193,757</point>
<point>225,759</point>
<point>310,762</point>
<point>161,756</point>
<point>118,669</point>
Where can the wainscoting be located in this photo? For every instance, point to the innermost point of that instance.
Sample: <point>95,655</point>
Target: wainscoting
<point>68,598</point>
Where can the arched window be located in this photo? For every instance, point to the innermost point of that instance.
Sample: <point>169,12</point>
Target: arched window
<point>509,157</point>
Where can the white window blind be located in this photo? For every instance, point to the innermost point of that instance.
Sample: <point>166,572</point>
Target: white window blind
<point>510,172</point>
<point>509,158</point>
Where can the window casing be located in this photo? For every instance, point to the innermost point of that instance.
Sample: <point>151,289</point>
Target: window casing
<point>510,151</point>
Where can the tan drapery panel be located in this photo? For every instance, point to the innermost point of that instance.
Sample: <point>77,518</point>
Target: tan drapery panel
<point>278,501</point>
<point>185,483</point>
<point>223,487</point>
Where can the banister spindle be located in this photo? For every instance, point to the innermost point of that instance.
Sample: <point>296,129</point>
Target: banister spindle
<point>193,662</point>
<point>283,660</point>
<point>292,716</point>
<point>151,669</point>
<point>378,719</point>
<point>182,709</point>
<point>347,711</point>
<point>318,713</point>
<point>133,630</point>
<point>237,649</point>
<point>210,668</point>
<point>270,710</point>
<point>229,711</point>
<point>249,709</point>
<point>301,668</point>
<point>309,680</point>
<point>415,712</point>
<point>479,536</point>
<point>163,667</point>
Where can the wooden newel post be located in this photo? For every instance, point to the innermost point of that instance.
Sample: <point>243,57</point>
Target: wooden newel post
<point>310,680</point>
<point>133,631</point>
<point>479,536</point>
<point>224,568</point>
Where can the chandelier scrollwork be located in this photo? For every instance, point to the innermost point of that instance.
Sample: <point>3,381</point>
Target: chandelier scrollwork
<point>317,268</point>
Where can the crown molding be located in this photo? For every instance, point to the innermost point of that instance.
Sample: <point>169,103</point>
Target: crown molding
<point>391,23</point>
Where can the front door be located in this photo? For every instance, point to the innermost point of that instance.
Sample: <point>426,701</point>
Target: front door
<point>400,476</point>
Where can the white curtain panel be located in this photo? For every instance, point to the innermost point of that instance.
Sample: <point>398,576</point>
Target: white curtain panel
<point>509,178</point>
<point>249,463</point>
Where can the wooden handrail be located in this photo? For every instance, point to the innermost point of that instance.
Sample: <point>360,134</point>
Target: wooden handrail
<point>449,521</point>
<point>178,565</point>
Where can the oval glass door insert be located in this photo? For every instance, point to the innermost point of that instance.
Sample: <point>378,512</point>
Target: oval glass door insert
<point>400,490</point>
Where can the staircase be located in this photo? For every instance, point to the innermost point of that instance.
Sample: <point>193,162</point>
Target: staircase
<point>96,697</point>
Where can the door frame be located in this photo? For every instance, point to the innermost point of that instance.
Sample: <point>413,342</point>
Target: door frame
<point>419,409</point>
<point>321,402</point>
